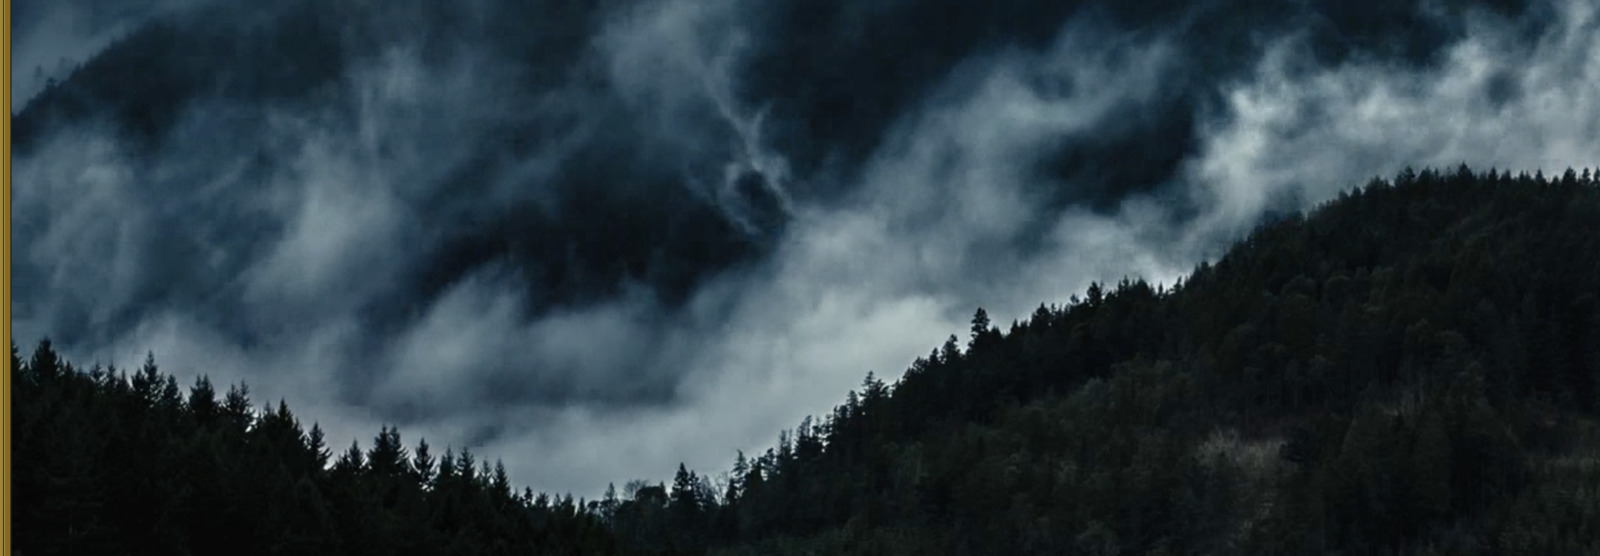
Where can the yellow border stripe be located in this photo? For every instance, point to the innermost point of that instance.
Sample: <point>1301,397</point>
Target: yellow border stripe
<point>5,281</point>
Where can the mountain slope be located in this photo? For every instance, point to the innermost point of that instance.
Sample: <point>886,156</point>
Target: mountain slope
<point>1411,368</point>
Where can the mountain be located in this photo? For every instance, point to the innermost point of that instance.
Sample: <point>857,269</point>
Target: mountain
<point>1408,369</point>
<point>550,229</point>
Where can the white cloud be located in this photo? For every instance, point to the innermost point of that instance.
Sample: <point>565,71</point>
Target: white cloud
<point>945,216</point>
<point>1311,133</point>
<point>872,285</point>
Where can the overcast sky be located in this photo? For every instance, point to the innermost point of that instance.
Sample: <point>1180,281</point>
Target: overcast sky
<point>598,241</point>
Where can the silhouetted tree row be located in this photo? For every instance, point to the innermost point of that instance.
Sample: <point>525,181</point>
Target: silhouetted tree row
<point>109,463</point>
<point>1409,369</point>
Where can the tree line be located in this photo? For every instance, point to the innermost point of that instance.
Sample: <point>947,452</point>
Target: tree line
<point>1410,368</point>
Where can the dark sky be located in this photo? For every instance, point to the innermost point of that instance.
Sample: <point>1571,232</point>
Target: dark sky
<point>599,238</point>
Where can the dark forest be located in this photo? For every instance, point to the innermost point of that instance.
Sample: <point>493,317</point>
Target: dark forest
<point>1411,368</point>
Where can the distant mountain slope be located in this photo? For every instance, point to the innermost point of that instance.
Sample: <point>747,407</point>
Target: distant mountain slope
<point>1411,368</point>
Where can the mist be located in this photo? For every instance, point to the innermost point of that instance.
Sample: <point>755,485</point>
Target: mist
<point>599,241</point>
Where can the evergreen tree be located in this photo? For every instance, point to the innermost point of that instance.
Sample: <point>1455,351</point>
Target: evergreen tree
<point>423,465</point>
<point>980,328</point>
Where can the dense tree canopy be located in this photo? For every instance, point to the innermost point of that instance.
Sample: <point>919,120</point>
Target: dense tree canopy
<point>1411,368</point>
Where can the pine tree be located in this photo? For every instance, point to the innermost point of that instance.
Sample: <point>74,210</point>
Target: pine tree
<point>500,485</point>
<point>423,466</point>
<point>45,365</point>
<point>203,400</point>
<point>147,381</point>
<point>387,458</point>
<point>736,480</point>
<point>951,352</point>
<point>351,463</point>
<point>466,468</point>
<point>317,449</point>
<point>236,406</point>
<point>980,328</point>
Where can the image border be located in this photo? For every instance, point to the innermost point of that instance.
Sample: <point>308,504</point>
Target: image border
<point>5,280</point>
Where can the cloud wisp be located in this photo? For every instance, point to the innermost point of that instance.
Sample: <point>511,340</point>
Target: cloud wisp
<point>450,243</point>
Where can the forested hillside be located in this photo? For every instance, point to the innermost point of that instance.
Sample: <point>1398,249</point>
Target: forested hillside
<point>1410,369</point>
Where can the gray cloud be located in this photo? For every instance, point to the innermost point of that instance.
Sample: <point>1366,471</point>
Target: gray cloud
<point>1493,100</point>
<point>677,64</point>
<point>288,244</point>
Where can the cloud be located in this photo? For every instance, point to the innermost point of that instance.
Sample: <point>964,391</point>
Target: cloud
<point>871,285</point>
<point>281,244</point>
<point>1289,136</point>
<point>256,242</point>
<point>420,245</point>
<point>677,64</point>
